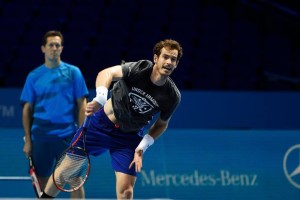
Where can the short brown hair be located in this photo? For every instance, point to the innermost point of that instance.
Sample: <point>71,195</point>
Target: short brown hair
<point>51,34</point>
<point>168,43</point>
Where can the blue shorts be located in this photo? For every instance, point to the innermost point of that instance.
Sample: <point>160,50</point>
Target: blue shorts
<point>103,135</point>
<point>44,154</point>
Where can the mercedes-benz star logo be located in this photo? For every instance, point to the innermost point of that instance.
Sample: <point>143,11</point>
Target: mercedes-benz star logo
<point>291,165</point>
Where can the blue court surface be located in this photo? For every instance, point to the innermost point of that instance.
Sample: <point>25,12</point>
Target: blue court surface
<point>183,164</point>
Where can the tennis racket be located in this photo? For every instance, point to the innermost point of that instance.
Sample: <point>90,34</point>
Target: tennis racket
<point>35,182</point>
<point>73,166</point>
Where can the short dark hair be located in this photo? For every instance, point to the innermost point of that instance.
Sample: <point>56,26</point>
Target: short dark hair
<point>52,34</point>
<point>168,43</point>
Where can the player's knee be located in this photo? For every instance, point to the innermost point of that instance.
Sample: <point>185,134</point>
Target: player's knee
<point>126,194</point>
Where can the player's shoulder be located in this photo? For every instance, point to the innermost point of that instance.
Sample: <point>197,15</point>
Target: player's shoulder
<point>37,71</point>
<point>70,68</point>
<point>139,64</point>
<point>68,65</point>
<point>145,63</point>
<point>137,67</point>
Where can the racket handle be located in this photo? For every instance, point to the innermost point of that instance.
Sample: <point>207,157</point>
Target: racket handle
<point>86,121</point>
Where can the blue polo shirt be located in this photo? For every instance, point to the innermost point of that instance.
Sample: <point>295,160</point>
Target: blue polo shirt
<point>53,93</point>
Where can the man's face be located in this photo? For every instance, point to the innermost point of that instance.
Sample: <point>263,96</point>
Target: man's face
<point>167,61</point>
<point>53,48</point>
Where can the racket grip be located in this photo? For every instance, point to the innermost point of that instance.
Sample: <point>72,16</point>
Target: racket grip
<point>86,121</point>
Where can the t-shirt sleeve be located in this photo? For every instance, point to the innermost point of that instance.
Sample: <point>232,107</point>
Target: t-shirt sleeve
<point>27,94</point>
<point>130,69</point>
<point>167,114</point>
<point>79,84</point>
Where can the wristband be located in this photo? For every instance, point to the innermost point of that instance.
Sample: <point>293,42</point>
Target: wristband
<point>146,142</point>
<point>101,95</point>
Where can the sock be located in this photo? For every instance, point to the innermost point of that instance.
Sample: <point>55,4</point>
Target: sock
<point>46,196</point>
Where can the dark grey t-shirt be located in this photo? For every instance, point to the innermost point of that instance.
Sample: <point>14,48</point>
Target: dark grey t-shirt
<point>136,99</point>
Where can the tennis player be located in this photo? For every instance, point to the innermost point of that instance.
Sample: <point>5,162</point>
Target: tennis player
<point>54,101</point>
<point>142,90</point>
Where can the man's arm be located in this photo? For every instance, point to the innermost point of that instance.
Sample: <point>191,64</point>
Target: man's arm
<point>156,130</point>
<point>108,75</point>
<point>27,122</point>
<point>103,82</point>
<point>81,104</point>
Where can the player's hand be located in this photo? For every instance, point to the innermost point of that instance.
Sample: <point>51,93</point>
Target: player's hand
<point>92,107</point>
<point>137,160</point>
<point>27,148</point>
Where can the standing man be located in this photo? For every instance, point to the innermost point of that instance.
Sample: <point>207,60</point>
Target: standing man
<point>142,90</point>
<point>54,101</point>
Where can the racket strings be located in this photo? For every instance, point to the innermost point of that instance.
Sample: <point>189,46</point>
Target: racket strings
<point>72,170</point>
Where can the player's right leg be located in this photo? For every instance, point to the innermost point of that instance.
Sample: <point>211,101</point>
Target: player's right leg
<point>50,190</point>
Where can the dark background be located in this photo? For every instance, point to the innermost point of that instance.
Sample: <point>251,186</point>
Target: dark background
<point>249,45</point>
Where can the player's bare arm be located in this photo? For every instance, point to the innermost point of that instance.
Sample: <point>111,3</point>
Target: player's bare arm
<point>155,131</point>
<point>103,82</point>
<point>27,120</point>
<point>81,104</point>
<point>108,75</point>
<point>158,128</point>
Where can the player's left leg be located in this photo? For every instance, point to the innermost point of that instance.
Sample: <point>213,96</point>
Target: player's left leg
<point>124,185</point>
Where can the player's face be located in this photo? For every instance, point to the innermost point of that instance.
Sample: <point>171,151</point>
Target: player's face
<point>167,61</point>
<point>53,48</point>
